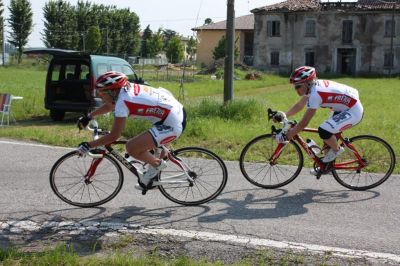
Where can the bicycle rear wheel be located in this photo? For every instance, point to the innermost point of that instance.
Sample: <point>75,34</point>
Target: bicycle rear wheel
<point>207,170</point>
<point>67,179</point>
<point>379,158</point>
<point>256,167</point>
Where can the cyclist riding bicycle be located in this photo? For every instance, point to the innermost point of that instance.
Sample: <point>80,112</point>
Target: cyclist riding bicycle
<point>343,100</point>
<point>138,101</point>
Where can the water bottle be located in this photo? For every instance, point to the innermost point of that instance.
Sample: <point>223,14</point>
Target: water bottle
<point>129,158</point>
<point>313,146</point>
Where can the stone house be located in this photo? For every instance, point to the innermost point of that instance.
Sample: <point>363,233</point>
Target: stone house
<point>209,35</point>
<point>341,37</point>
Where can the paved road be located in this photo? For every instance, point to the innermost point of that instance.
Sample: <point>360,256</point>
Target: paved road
<point>309,211</point>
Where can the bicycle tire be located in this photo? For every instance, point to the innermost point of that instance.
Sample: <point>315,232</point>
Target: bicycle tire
<point>67,180</point>
<point>380,159</point>
<point>255,166</point>
<point>209,173</point>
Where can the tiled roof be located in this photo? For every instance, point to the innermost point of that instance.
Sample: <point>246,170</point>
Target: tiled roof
<point>377,4</point>
<point>241,23</point>
<point>316,5</point>
<point>291,5</point>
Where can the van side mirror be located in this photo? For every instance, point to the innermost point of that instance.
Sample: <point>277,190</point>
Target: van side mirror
<point>141,81</point>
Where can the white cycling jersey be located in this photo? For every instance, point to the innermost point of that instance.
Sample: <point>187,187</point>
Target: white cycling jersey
<point>330,94</point>
<point>158,106</point>
<point>342,99</point>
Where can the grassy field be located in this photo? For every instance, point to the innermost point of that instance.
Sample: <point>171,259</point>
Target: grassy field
<point>223,129</point>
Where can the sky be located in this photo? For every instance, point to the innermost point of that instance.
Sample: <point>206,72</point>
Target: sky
<point>178,15</point>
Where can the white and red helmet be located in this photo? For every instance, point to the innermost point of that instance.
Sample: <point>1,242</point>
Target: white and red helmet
<point>111,80</point>
<point>303,74</point>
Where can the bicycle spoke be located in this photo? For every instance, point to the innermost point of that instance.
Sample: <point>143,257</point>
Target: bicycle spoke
<point>208,181</point>
<point>258,170</point>
<point>379,160</point>
<point>68,182</point>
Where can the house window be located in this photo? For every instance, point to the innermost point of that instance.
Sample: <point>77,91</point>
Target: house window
<point>273,28</point>
<point>390,28</point>
<point>310,58</point>
<point>347,32</point>
<point>310,28</point>
<point>388,59</point>
<point>275,59</point>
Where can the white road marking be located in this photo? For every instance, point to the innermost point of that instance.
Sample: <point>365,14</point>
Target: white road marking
<point>114,229</point>
<point>258,242</point>
<point>32,144</point>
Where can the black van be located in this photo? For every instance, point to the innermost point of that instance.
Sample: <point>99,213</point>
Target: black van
<point>71,76</point>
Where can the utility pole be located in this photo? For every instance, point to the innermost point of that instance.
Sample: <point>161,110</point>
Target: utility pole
<point>107,41</point>
<point>229,59</point>
<point>83,40</point>
<point>3,44</point>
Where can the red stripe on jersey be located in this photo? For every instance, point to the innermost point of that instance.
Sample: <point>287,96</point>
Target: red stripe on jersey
<point>326,83</point>
<point>147,110</point>
<point>337,98</point>
<point>167,140</point>
<point>346,127</point>
<point>136,89</point>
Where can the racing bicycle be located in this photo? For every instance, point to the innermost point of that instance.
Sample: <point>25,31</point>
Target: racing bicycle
<point>193,175</point>
<point>367,162</point>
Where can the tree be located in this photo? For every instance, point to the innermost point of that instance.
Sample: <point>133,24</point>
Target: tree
<point>21,24</point>
<point>156,43</point>
<point>208,21</point>
<point>175,50</point>
<point>93,39</point>
<point>191,47</point>
<point>60,25</point>
<point>220,49</point>
<point>168,35</point>
<point>144,49</point>
<point>1,25</point>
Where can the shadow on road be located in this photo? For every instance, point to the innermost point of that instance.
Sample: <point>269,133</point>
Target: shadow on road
<point>279,204</point>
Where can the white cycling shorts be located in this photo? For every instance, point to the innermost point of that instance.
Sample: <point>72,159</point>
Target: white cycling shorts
<point>170,129</point>
<point>338,122</point>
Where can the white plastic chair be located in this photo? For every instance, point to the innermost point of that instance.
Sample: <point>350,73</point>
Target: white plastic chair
<point>5,107</point>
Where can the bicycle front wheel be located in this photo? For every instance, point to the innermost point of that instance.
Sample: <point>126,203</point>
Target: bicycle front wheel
<point>67,179</point>
<point>257,168</point>
<point>207,170</point>
<point>379,159</point>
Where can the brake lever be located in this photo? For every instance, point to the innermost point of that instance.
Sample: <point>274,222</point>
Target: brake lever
<point>271,113</point>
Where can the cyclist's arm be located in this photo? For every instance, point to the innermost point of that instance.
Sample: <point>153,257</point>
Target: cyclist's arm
<point>116,131</point>
<point>103,109</point>
<point>297,107</point>
<point>302,124</point>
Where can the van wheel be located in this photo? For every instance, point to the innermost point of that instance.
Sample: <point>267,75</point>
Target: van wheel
<point>57,115</point>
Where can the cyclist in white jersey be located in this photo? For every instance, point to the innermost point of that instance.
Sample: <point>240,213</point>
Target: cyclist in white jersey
<point>343,100</point>
<point>138,101</point>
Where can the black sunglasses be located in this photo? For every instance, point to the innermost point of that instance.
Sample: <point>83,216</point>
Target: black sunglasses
<point>298,86</point>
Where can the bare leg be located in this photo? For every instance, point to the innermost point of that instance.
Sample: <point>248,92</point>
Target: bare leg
<point>139,146</point>
<point>332,142</point>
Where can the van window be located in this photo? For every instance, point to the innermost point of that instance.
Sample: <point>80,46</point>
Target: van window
<point>55,74</point>
<point>101,68</point>
<point>70,72</point>
<point>129,73</point>
<point>85,72</point>
<point>116,68</point>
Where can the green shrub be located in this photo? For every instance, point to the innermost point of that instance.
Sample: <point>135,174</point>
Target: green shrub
<point>237,110</point>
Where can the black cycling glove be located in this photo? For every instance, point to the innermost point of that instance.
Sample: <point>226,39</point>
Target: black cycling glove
<point>83,121</point>
<point>83,148</point>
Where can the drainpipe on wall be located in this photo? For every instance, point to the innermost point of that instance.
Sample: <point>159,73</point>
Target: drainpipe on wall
<point>292,42</point>
<point>391,41</point>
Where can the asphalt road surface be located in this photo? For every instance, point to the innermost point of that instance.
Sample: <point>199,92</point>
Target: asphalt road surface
<point>318,212</point>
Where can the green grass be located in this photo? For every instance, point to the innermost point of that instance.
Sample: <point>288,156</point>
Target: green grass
<point>223,129</point>
<point>66,255</point>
